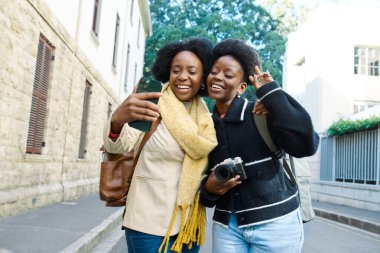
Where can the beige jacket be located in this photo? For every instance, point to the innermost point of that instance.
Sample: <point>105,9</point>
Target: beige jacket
<point>152,196</point>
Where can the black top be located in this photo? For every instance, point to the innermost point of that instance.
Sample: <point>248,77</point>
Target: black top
<point>267,193</point>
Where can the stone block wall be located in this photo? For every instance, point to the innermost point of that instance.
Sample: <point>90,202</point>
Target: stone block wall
<point>365,197</point>
<point>31,180</point>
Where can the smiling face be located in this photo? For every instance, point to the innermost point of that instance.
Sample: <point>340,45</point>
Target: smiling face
<point>185,75</point>
<point>225,80</point>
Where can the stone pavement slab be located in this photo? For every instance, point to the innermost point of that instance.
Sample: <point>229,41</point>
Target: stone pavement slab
<point>53,228</point>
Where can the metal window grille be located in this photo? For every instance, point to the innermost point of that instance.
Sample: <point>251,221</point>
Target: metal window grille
<point>326,172</point>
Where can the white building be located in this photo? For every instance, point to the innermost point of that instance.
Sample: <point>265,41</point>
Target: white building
<point>65,65</point>
<point>115,43</point>
<point>332,62</point>
<point>331,67</point>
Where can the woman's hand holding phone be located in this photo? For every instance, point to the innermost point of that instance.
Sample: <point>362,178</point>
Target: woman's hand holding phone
<point>135,108</point>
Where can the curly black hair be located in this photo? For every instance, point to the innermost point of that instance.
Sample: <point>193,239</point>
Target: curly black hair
<point>200,47</point>
<point>245,54</point>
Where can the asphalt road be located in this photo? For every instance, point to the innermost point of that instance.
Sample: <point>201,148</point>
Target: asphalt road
<point>321,236</point>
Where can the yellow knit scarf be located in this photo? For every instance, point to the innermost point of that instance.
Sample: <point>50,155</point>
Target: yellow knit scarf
<point>194,131</point>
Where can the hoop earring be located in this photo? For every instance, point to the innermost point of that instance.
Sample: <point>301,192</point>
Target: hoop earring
<point>203,86</point>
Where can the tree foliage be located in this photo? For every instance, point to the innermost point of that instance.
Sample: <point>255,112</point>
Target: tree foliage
<point>217,20</point>
<point>289,15</point>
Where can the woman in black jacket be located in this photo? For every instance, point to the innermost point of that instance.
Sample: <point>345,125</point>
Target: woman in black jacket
<point>256,210</point>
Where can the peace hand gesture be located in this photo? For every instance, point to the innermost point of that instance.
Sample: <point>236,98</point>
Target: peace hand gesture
<point>260,78</point>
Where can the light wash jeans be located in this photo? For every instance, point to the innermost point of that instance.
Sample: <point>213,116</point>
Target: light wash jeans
<point>284,235</point>
<point>138,242</point>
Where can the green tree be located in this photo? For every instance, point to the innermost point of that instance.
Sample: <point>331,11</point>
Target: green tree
<point>289,15</point>
<point>217,20</point>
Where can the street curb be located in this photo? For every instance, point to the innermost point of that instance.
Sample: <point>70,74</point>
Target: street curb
<point>347,220</point>
<point>89,240</point>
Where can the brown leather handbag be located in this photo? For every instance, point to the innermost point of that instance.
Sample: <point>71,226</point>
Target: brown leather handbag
<point>116,172</point>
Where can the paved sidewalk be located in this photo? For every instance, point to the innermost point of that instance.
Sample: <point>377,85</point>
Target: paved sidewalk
<point>72,226</point>
<point>359,218</point>
<point>78,225</point>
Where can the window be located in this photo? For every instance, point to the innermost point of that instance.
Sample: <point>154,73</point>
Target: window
<point>83,128</point>
<point>135,75</point>
<point>37,118</point>
<point>116,42</point>
<point>373,59</point>
<point>96,17</point>
<point>109,111</point>
<point>131,11</point>
<point>126,70</point>
<point>138,34</point>
<point>363,105</point>
<point>366,61</point>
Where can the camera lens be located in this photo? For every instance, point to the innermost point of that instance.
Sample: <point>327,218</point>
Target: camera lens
<point>223,173</point>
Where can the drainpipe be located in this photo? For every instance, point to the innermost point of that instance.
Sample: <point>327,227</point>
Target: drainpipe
<point>70,96</point>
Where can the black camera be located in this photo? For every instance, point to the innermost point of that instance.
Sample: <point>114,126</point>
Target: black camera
<point>230,168</point>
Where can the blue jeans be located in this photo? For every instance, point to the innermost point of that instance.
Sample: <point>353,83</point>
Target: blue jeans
<point>139,242</point>
<point>284,235</point>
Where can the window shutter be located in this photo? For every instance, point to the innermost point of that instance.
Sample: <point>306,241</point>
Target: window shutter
<point>39,98</point>
<point>83,130</point>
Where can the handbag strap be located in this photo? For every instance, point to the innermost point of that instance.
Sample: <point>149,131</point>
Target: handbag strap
<point>145,139</point>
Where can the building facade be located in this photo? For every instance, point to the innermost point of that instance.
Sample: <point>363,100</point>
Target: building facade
<point>332,67</point>
<point>331,63</point>
<point>65,65</point>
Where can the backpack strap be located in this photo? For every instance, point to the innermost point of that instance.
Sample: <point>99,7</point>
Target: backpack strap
<point>262,127</point>
<point>291,160</point>
<point>289,170</point>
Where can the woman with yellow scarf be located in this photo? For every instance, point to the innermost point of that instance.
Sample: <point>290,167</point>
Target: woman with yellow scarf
<point>163,213</point>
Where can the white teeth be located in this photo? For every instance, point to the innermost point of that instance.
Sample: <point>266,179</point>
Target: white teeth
<point>214,86</point>
<point>183,87</point>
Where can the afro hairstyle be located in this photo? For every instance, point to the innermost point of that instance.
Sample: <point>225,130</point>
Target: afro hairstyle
<point>200,47</point>
<point>245,54</point>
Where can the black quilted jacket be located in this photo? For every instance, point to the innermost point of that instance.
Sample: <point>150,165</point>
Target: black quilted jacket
<point>267,193</point>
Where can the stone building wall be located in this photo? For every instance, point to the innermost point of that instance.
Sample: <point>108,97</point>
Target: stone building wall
<point>31,180</point>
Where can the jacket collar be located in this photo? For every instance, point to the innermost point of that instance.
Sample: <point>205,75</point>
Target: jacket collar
<point>235,112</point>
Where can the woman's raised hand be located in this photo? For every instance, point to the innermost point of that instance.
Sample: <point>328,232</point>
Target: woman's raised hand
<point>260,78</point>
